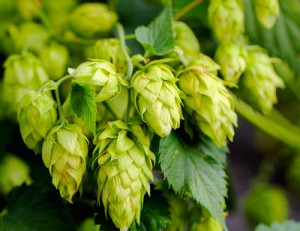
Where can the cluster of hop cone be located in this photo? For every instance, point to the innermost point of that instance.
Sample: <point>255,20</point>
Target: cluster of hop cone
<point>154,100</point>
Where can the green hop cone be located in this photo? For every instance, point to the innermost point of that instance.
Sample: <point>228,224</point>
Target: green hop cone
<point>36,116</point>
<point>232,60</point>
<point>157,98</point>
<point>207,224</point>
<point>266,12</point>
<point>102,75</point>
<point>266,204</point>
<point>110,50</point>
<point>125,167</point>
<point>186,40</point>
<point>54,59</point>
<point>64,153</point>
<point>226,18</point>
<point>208,102</point>
<point>13,172</point>
<point>22,73</point>
<point>260,81</point>
<point>28,9</point>
<point>91,20</point>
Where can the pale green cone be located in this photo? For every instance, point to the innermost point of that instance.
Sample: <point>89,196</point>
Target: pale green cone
<point>208,103</point>
<point>22,73</point>
<point>260,81</point>
<point>64,153</point>
<point>110,50</point>
<point>91,20</point>
<point>125,168</point>
<point>232,60</point>
<point>157,98</point>
<point>185,40</point>
<point>102,75</point>
<point>267,12</point>
<point>54,59</point>
<point>207,224</point>
<point>36,116</point>
<point>226,18</point>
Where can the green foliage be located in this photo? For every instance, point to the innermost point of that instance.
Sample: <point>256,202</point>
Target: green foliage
<point>84,104</point>
<point>193,171</point>
<point>157,38</point>
<point>34,208</point>
<point>284,226</point>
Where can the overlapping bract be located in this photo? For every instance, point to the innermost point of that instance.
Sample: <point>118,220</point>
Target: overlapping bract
<point>260,81</point>
<point>36,116</point>
<point>157,98</point>
<point>22,73</point>
<point>102,75</point>
<point>125,168</point>
<point>226,18</point>
<point>207,101</point>
<point>64,153</point>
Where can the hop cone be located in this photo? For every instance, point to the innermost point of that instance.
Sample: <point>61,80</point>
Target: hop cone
<point>207,224</point>
<point>232,60</point>
<point>90,20</point>
<point>110,50</point>
<point>64,152</point>
<point>125,162</point>
<point>186,40</point>
<point>259,83</point>
<point>266,12</point>
<point>36,115</point>
<point>157,99</point>
<point>208,102</point>
<point>226,18</point>
<point>22,73</point>
<point>102,75</point>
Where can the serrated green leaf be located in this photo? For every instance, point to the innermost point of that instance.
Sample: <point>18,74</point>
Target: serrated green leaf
<point>84,104</point>
<point>157,38</point>
<point>192,171</point>
<point>283,39</point>
<point>34,208</point>
<point>155,214</point>
<point>285,226</point>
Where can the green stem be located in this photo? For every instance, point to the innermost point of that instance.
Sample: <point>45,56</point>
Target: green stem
<point>130,36</point>
<point>187,9</point>
<point>64,79</point>
<point>279,131</point>
<point>59,106</point>
<point>123,45</point>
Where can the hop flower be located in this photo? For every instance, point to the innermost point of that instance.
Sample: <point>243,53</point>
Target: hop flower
<point>264,198</point>
<point>266,12</point>
<point>102,75</point>
<point>90,20</point>
<point>157,98</point>
<point>64,153</point>
<point>22,73</point>
<point>259,83</point>
<point>207,224</point>
<point>232,59</point>
<point>208,102</point>
<point>226,18</point>
<point>36,115</point>
<point>110,50</point>
<point>54,59</point>
<point>125,167</point>
<point>186,40</point>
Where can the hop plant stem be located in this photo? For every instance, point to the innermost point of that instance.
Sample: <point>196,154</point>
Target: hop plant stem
<point>187,9</point>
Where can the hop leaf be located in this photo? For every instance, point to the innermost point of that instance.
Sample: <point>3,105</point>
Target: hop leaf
<point>226,18</point>
<point>125,163</point>
<point>36,115</point>
<point>64,153</point>
<point>260,81</point>
<point>208,102</point>
<point>157,98</point>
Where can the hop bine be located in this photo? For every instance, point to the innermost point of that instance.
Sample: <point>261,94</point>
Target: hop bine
<point>36,115</point>
<point>125,168</point>
<point>102,75</point>
<point>157,98</point>
<point>207,101</point>
<point>64,153</point>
